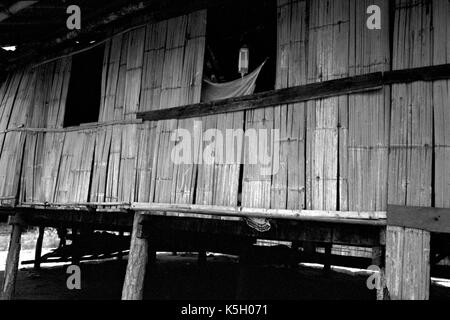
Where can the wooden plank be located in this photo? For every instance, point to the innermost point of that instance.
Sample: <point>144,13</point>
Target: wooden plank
<point>424,218</point>
<point>394,260</point>
<point>269,98</point>
<point>347,85</point>
<point>285,230</point>
<point>376,218</point>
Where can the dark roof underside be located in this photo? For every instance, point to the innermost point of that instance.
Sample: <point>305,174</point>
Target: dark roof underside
<point>34,27</point>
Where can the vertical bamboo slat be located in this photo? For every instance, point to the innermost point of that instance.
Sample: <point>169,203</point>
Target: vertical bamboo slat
<point>328,59</point>
<point>441,102</point>
<point>288,183</point>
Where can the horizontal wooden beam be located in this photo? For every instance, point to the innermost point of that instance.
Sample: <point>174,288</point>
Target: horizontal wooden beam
<point>282,230</point>
<point>356,84</point>
<point>423,218</point>
<point>346,217</point>
<point>375,218</point>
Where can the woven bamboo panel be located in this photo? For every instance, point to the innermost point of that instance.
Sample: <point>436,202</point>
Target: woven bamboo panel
<point>288,183</point>
<point>364,126</point>
<point>411,129</point>
<point>15,98</point>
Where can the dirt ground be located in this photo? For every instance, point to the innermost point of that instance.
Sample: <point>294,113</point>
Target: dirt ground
<point>181,277</point>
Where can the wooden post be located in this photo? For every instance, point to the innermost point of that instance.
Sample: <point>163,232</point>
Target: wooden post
<point>244,273</point>
<point>133,287</point>
<point>120,253</point>
<point>377,256</point>
<point>38,251</point>
<point>294,247</point>
<point>12,260</point>
<point>152,257</point>
<point>377,260</point>
<point>327,262</point>
<point>75,248</point>
<point>407,263</point>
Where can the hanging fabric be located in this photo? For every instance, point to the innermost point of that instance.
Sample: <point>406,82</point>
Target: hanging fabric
<point>240,87</point>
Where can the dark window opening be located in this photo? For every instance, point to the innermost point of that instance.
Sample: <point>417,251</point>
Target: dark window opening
<point>83,96</point>
<point>232,26</point>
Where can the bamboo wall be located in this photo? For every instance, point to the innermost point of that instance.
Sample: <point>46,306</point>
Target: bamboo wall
<point>333,151</point>
<point>151,67</point>
<point>352,152</point>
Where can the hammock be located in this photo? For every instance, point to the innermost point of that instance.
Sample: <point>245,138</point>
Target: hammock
<point>240,87</point>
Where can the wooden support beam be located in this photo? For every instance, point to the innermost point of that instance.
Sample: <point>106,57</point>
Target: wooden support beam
<point>407,263</point>
<point>424,218</point>
<point>120,253</point>
<point>345,217</point>
<point>133,287</point>
<point>327,264</point>
<point>114,219</point>
<point>377,256</point>
<point>12,260</point>
<point>309,248</point>
<point>75,249</point>
<point>152,255</point>
<point>356,84</point>
<point>38,250</point>
<point>244,273</point>
<point>14,8</point>
<point>283,230</point>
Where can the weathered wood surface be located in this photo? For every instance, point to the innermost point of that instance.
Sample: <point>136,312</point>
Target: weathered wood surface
<point>407,263</point>
<point>133,286</point>
<point>441,102</point>
<point>38,248</point>
<point>411,126</point>
<point>411,153</point>
<point>369,218</point>
<point>12,260</point>
<point>300,93</point>
<point>424,218</point>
